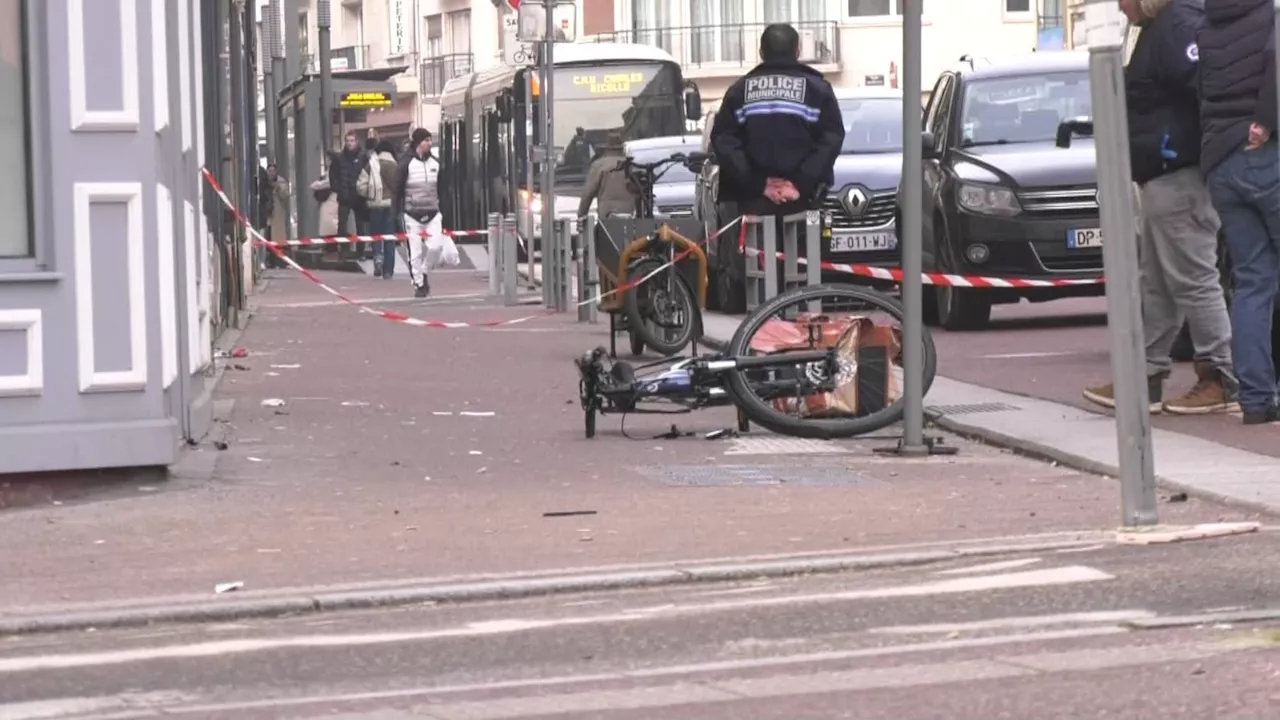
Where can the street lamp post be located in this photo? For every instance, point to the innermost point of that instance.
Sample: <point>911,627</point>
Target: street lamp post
<point>324,20</point>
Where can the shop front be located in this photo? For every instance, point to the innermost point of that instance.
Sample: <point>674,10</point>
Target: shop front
<point>107,274</point>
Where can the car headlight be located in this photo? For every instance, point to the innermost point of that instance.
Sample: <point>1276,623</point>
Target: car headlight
<point>532,200</point>
<point>988,199</point>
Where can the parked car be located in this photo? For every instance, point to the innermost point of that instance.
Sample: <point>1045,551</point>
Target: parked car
<point>859,210</point>
<point>1000,197</point>
<point>673,193</point>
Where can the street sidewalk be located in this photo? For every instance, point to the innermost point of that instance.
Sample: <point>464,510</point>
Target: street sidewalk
<point>1085,440</point>
<point>360,450</point>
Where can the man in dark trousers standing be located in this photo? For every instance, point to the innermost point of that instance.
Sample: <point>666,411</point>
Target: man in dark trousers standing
<point>1178,248</point>
<point>778,131</point>
<point>353,210</point>
<point>1241,158</point>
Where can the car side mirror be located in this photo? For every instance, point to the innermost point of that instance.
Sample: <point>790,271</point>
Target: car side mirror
<point>696,160</point>
<point>1073,126</point>
<point>692,102</point>
<point>928,145</point>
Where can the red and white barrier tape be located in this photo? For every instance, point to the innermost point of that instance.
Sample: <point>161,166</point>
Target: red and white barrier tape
<point>352,239</point>
<point>401,318</point>
<point>944,279</point>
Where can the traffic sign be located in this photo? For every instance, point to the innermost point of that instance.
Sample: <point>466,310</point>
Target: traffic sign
<point>514,5</point>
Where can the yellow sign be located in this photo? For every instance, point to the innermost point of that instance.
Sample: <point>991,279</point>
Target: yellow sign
<point>365,100</point>
<point>608,84</point>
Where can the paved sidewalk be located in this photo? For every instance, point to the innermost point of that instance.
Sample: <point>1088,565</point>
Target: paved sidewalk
<point>360,450</point>
<point>1086,440</point>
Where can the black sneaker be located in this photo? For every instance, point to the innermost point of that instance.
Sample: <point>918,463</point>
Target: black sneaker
<point>422,291</point>
<point>377,271</point>
<point>1270,415</point>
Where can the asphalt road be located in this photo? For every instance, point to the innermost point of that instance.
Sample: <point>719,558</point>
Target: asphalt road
<point>1027,637</point>
<point>1054,350</point>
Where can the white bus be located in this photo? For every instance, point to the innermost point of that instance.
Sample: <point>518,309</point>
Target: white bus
<point>487,124</point>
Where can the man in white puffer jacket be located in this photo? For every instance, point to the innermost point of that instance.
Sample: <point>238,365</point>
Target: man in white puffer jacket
<point>417,203</point>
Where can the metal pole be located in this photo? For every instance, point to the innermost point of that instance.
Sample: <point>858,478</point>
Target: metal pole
<point>1105,30</point>
<point>549,141</point>
<point>323,23</point>
<point>912,237</point>
<point>527,212</point>
<point>243,169</point>
<point>270,51</point>
<point>495,260</point>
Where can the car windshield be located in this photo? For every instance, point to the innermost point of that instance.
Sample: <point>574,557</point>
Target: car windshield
<point>676,173</point>
<point>1023,109</point>
<point>872,125</point>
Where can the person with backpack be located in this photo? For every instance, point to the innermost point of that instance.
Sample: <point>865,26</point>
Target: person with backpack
<point>376,185</point>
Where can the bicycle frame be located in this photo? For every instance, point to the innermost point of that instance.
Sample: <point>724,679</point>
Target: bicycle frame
<point>616,389</point>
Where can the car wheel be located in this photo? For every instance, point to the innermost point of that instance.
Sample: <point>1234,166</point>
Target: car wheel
<point>962,309</point>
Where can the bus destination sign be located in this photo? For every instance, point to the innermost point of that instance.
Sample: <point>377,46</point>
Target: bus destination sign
<point>610,84</point>
<point>376,99</point>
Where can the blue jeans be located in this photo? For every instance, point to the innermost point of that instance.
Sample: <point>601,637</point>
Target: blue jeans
<point>382,221</point>
<point>1246,193</point>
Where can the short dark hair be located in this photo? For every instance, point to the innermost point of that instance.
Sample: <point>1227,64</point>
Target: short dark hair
<point>779,42</point>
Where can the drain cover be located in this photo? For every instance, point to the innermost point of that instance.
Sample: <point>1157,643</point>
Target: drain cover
<point>784,446</point>
<point>971,409</point>
<point>745,475</point>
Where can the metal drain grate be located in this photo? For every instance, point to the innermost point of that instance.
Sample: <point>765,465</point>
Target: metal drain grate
<point>971,409</point>
<point>751,475</point>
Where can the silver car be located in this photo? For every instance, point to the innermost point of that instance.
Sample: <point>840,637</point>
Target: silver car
<point>673,193</point>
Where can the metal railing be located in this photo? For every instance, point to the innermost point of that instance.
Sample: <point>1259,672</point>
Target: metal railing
<point>439,70</point>
<point>731,46</point>
<point>351,57</point>
<point>766,238</point>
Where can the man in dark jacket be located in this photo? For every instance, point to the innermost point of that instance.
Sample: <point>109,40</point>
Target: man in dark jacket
<point>1240,156</point>
<point>1178,247</point>
<point>778,131</point>
<point>345,176</point>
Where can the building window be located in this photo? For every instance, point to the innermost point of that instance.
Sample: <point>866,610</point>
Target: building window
<point>460,32</point>
<point>651,23</point>
<point>873,8</point>
<point>434,46</point>
<point>1017,6</point>
<point>15,199</point>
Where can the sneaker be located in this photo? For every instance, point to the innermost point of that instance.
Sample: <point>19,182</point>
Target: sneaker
<point>1211,395</point>
<point>1105,395</point>
<point>377,271</point>
<point>388,275</point>
<point>422,291</point>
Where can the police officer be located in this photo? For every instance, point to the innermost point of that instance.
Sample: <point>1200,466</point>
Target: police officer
<point>778,131</point>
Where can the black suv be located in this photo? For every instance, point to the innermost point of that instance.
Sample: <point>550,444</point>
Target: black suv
<point>1000,197</point>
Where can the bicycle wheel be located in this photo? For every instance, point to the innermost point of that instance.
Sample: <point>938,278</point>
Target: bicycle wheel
<point>879,398</point>
<point>661,310</point>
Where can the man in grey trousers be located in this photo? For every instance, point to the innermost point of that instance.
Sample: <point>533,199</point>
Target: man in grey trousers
<point>1178,248</point>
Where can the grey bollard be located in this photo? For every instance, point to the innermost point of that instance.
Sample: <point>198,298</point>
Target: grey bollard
<point>546,238</point>
<point>753,275</point>
<point>770,253</point>
<point>510,260</point>
<point>791,277</point>
<point>564,267</point>
<point>813,254</point>
<point>493,238</point>
<point>590,288</point>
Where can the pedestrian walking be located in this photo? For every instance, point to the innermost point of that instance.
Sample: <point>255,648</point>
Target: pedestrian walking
<point>1241,159</point>
<point>382,219</point>
<point>417,205</point>
<point>1178,238</point>
<point>778,131</point>
<point>607,183</point>
<point>353,209</point>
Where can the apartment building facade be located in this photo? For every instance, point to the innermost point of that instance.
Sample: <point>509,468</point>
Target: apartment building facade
<point>854,42</point>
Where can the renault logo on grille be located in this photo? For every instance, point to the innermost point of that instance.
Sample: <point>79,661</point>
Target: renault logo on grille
<point>855,201</point>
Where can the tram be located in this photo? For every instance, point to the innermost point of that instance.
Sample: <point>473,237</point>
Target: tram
<point>487,126</point>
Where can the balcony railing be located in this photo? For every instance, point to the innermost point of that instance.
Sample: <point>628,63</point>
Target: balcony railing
<point>441,69</point>
<point>731,47</point>
<point>351,57</point>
